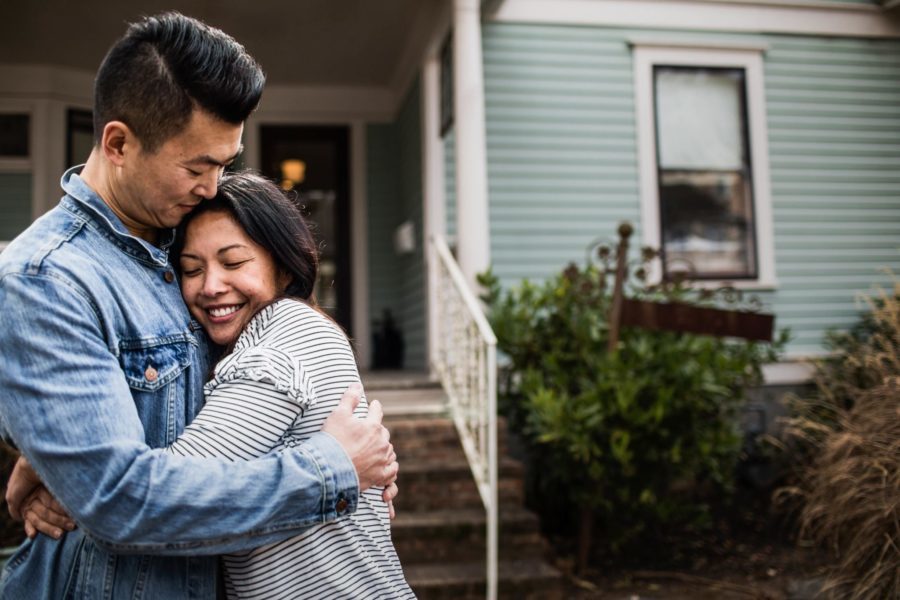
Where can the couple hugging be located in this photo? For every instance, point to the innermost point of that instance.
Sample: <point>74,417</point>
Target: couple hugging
<point>142,463</point>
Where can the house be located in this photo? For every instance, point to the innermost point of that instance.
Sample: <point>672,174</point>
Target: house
<point>756,141</point>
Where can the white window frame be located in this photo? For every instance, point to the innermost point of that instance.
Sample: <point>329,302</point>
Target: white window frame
<point>749,58</point>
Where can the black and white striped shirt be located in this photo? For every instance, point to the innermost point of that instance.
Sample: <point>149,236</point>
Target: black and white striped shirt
<point>286,374</point>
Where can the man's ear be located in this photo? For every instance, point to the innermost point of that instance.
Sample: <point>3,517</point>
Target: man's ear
<point>117,140</point>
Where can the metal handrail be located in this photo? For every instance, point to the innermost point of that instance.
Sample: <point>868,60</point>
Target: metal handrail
<point>466,362</point>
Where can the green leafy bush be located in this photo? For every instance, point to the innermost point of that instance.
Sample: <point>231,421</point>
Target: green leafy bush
<point>639,439</point>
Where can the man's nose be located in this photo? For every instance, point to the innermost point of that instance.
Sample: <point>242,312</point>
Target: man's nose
<point>208,187</point>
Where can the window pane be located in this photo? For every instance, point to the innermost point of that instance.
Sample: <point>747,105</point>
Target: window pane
<point>447,84</point>
<point>14,135</point>
<point>80,136</point>
<point>15,204</point>
<point>707,220</point>
<point>699,115</point>
<point>705,193</point>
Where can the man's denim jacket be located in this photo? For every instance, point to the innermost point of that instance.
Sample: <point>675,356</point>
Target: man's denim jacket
<point>100,365</point>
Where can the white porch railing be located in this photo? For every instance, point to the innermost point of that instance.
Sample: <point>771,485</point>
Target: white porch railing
<point>466,361</point>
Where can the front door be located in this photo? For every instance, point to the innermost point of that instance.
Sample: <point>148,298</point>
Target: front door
<point>312,161</point>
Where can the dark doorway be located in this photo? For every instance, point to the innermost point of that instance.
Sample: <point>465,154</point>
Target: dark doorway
<point>313,162</point>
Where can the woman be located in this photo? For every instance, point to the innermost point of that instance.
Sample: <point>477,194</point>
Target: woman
<point>248,264</point>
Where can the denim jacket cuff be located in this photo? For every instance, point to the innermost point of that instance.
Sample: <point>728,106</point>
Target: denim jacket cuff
<point>341,485</point>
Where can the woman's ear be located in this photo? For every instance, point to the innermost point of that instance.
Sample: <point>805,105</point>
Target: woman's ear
<point>283,280</point>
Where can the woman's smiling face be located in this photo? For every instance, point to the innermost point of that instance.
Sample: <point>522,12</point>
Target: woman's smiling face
<point>225,276</point>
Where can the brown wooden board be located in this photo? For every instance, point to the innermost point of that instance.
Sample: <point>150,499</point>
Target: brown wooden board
<point>674,316</point>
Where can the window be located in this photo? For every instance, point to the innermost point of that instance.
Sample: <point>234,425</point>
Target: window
<point>13,136</point>
<point>447,84</point>
<point>705,199</point>
<point>15,175</point>
<point>79,136</point>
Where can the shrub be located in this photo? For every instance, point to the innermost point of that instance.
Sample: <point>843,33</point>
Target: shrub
<point>849,482</point>
<point>642,438</point>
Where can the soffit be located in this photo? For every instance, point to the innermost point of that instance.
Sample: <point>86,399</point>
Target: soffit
<point>297,42</point>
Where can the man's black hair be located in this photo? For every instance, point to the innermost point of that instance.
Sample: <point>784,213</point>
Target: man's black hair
<point>164,67</point>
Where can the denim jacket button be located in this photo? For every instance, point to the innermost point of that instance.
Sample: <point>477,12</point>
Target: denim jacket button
<point>151,374</point>
<point>341,506</point>
<point>169,276</point>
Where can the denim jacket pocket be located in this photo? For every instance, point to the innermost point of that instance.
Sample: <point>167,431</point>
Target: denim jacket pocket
<point>151,363</point>
<point>153,368</point>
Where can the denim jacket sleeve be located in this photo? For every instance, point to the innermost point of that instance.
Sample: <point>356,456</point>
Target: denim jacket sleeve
<point>68,408</point>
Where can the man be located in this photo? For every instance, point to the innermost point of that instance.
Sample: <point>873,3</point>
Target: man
<point>102,364</point>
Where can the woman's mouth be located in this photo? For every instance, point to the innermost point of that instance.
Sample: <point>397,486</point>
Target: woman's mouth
<point>221,313</point>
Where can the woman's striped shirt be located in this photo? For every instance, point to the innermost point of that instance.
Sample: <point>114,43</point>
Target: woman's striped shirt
<point>287,372</point>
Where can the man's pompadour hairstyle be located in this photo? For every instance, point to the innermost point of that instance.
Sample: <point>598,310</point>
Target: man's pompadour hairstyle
<point>164,67</point>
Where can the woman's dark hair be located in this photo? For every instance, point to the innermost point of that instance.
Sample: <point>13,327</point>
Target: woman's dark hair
<point>165,66</point>
<point>272,220</point>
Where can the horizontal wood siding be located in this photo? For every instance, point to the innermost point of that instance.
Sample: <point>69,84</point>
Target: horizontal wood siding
<point>411,309</point>
<point>834,142</point>
<point>562,159</point>
<point>450,186</point>
<point>397,282</point>
<point>382,185</point>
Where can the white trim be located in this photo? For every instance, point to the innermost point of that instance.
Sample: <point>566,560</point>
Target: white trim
<point>806,18</point>
<point>788,373</point>
<point>433,191</point>
<point>359,245</point>
<point>15,165</point>
<point>751,62</point>
<point>473,248</point>
<point>73,86</point>
<point>669,43</point>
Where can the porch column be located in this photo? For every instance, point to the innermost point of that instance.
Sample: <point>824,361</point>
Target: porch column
<point>473,247</point>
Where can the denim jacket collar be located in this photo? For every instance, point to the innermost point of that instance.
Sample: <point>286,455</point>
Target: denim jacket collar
<point>82,200</point>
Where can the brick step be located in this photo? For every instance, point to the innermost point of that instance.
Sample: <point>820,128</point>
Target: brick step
<point>422,437</point>
<point>412,436</point>
<point>447,483</point>
<point>444,536</point>
<point>519,580</point>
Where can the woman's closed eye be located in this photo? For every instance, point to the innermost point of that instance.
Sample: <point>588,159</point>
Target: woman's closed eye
<point>236,264</point>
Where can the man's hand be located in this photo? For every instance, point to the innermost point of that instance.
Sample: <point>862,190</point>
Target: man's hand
<point>28,499</point>
<point>366,441</point>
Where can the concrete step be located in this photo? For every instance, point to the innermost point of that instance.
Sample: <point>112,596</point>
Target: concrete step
<point>451,536</point>
<point>405,393</point>
<point>519,580</point>
<point>447,483</point>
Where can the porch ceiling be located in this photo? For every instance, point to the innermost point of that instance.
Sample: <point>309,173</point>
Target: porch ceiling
<point>297,42</point>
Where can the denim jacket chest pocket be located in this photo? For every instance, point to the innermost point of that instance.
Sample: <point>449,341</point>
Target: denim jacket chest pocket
<point>155,368</point>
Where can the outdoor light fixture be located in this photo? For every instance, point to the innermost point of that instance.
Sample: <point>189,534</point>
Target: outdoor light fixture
<point>293,172</point>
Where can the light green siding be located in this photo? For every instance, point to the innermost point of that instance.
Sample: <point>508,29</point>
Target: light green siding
<point>450,184</point>
<point>15,204</point>
<point>397,281</point>
<point>562,159</point>
<point>834,137</point>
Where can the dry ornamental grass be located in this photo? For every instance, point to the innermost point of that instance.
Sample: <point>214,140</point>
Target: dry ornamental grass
<point>850,488</point>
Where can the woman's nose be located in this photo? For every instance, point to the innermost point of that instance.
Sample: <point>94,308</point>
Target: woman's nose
<point>214,284</point>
